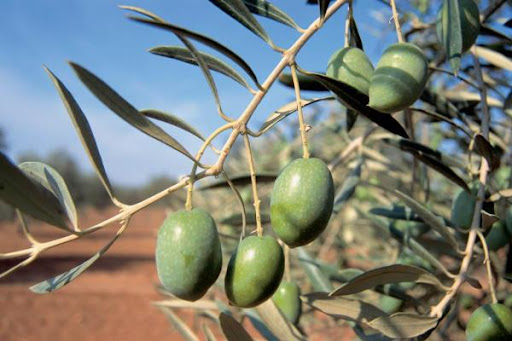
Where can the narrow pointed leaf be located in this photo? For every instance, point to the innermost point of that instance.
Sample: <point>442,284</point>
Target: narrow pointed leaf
<point>396,273</point>
<point>236,219</point>
<point>240,180</point>
<point>485,149</point>
<point>50,179</point>
<point>358,101</point>
<point>84,131</point>
<point>213,63</point>
<point>404,325</point>
<point>351,119</point>
<point>432,220</point>
<point>318,279</point>
<point>443,169</point>
<point>179,325</point>
<point>172,120</point>
<point>349,187</point>
<point>323,5</point>
<point>18,190</point>
<point>305,82</point>
<point>354,37</point>
<point>232,329</point>
<point>125,110</point>
<point>260,325</point>
<point>268,10</point>
<point>451,33</point>
<point>203,39</point>
<point>493,57</point>
<point>67,277</point>
<point>396,212</point>
<point>238,11</point>
<point>277,323</point>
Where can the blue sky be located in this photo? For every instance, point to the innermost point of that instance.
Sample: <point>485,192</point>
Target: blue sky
<point>97,35</point>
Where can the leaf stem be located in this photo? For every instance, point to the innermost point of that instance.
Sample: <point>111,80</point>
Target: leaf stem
<point>397,22</point>
<point>303,133</point>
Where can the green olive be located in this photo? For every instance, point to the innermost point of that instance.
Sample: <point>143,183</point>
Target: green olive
<point>463,205</point>
<point>351,66</point>
<point>497,237</point>
<point>254,271</point>
<point>302,201</point>
<point>188,253</point>
<point>469,22</point>
<point>390,304</point>
<point>399,78</point>
<point>490,322</point>
<point>287,299</point>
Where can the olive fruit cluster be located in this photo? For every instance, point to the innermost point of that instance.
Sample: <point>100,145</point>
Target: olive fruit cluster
<point>395,84</point>
<point>490,322</point>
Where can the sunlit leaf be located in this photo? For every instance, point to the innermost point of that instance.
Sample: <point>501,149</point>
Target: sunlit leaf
<point>396,273</point>
<point>232,329</point>
<point>84,131</point>
<point>494,58</point>
<point>404,325</point>
<point>277,323</point>
<point>358,101</point>
<point>239,180</point>
<point>125,110</point>
<point>213,63</point>
<point>451,33</point>
<point>238,11</point>
<point>18,190</point>
<point>50,179</point>
<point>270,11</point>
<point>172,120</point>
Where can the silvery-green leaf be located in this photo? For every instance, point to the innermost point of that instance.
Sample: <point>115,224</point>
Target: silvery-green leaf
<point>199,37</point>
<point>84,131</point>
<point>349,187</point>
<point>171,119</point>
<point>277,323</point>
<point>18,190</point>
<point>53,182</point>
<point>213,63</point>
<point>270,11</point>
<point>404,325</point>
<point>125,110</point>
<point>239,11</point>
<point>451,33</point>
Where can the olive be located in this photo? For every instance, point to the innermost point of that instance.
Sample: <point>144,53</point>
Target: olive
<point>302,201</point>
<point>490,322</point>
<point>497,237</point>
<point>469,22</point>
<point>287,299</point>
<point>188,253</point>
<point>463,205</point>
<point>399,78</point>
<point>351,66</point>
<point>390,304</point>
<point>254,271</point>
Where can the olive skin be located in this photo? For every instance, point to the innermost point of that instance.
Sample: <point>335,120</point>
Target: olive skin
<point>254,271</point>
<point>287,299</point>
<point>188,253</point>
<point>469,22</point>
<point>490,322</point>
<point>497,237</point>
<point>302,201</point>
<point>508,220</point>
<point>463,205</point>
<point>351,66</point>
<point>399,78</point>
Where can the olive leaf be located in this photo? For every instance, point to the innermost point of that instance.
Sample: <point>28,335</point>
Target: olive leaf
<point>232,329</point>
<point>305,82</point>
<point>277,323</point>
<point>358,101</point>
<point>323,5</point>
<point>451,32</point>
<point>260,325</point>
<point>354,39</point>
<point>50,179</point>
<point>396,212</point>
<point>404,325</point>
<point>270,11</point>
<point>125,110</point>
<point>396,273</point>
<point>349,187</point>
<point>213,63</point>
<point>239,11</point>
<point>196,36</point>
<point>239,180</point>
<point>484,148</point>
<point>17,189</point>
<point>318,279</point>
<point>351,119</point>
<point>172,120</point>
<point>494,58</point>
<point>236,219</point>
<point>84,131</point>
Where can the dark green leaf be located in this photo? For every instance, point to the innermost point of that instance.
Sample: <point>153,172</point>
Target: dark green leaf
<point>67,277</point>
<point>31,198</point>
<point>354,39</point>
<point>84,131</point>
<point>396,273</point>
<point>318,279</point>
<point>305,82</point>
<point>239,180</point>
<point>396,212</point>
<point>323,5</point>
<point>50,179</point>
<point>404,325</point>
<point>451,33</point>
<point>351,119</point>
<point>443,169</point>
<point>171,119</point>
<point>485,149</point>
<point>268,10</point>
<point>507,271</point>
<point>203,39</point>
<point>213,63</point>
<point>358,101</point>
<point>125,110</point>
<point>232,329</point>
<point>349,187</point>
<point>238,11</point>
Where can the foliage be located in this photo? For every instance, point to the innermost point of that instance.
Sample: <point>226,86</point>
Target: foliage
<point>390,231</point>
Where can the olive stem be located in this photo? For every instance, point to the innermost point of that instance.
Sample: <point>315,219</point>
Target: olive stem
<point>397,22</point>
<point>257,201</point>
<point>487,262</point>
<point>287,275</point>
<point>303,134</point>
